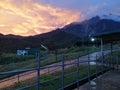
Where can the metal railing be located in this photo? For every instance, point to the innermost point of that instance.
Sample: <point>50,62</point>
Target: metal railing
<point>65,73</point>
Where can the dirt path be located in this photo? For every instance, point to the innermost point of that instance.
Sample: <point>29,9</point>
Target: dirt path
<point>30,74</point>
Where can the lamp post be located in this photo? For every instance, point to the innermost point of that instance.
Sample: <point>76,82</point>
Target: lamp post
<point>101,46</point>
<point>92,40</point>
<point>38,72</point>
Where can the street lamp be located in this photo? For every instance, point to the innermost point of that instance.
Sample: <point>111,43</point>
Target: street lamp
<point>92,39</point>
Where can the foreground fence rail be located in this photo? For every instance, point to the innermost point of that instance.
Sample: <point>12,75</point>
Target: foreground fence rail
<point>62,75</point>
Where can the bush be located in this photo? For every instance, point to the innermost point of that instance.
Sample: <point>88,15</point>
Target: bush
<point>12,58</point>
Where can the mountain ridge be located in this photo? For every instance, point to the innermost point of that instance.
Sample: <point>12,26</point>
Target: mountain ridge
<point>61,37</point>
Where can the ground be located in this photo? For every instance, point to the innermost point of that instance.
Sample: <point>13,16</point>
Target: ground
<point>107,81</point>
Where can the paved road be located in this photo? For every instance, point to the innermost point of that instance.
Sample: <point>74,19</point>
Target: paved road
<point>31,74</point>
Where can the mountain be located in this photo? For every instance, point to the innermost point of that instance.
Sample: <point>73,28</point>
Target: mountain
<point>60,38</point>
<point>92,26</point>
<point>13,36</point>
<point>53,40</point>
<point>111,16</point>
<point>10,36</point>
<point>1,35</point>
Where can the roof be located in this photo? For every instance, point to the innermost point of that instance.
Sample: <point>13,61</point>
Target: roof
<point>108,36</point>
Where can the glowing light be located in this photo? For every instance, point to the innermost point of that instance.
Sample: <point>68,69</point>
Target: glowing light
<point>92,39</point>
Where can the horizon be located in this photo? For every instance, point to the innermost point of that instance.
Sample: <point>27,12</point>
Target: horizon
<point>33,17</point>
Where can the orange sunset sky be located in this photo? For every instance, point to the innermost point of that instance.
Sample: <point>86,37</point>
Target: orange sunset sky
<point>31,17</point>
<point>27,17</point>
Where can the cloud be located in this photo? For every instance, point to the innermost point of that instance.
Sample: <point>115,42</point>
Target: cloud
<point>93,8</point>
<point>27,17</point>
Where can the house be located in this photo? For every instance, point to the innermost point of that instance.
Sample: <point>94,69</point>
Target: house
<point>28,51</point>
<point>22,52</point>
<point>33,51</point>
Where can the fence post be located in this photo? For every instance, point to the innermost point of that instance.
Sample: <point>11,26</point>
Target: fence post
<point>96,67</point>
<point>78,73</point>
<point>109,62</point>
<point>63,72</point>
<point>117,65</point>
<point>38,73</point>
<point>89,70</point>
<point>106,63</point>
<point>56,54</point>
<point>102,61</point>
<point>18,78</point>
<point>48,70</point>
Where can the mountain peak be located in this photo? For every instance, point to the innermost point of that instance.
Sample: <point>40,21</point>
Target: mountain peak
<point>111,16</point>
<point>95,18</point>
<point>94,25</point>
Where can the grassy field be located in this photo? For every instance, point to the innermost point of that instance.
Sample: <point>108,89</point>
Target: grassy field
<point>115,57</point>
<point>112,58</point>
<point>24,62</point>
<point>53,81</point>
<point>12,62</point>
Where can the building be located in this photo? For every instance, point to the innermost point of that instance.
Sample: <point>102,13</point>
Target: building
<point>22,52</point>
<point>30,51</point>
<point>33,51</point>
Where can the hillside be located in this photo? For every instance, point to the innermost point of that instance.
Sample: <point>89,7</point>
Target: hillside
<point>55,39</point>
<point>59,38</point>
<point>92,26</point>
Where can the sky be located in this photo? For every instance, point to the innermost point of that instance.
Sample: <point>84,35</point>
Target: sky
<point>31,17</point>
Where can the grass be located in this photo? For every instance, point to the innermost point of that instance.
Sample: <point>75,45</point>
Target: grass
<point>53,81</point>
<point>113,58</point>
<point>69,54</point>
<point>12,62</point>
<point>9,61</point>
<point>6,58</point>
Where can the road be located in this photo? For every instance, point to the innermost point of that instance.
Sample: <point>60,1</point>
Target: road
<point>31,74</point>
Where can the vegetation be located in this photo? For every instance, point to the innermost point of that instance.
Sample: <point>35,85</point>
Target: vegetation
<point>7,58</point>
<point>53,81</point>
<point>113,57</point>
<point>11,62</point>
<point>27,62</point>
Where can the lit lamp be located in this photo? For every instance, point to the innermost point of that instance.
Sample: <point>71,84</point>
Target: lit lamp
<point>92,39</point>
